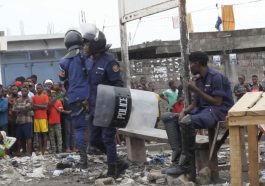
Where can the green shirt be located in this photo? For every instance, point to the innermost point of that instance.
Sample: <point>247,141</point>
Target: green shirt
<point>172,97</point>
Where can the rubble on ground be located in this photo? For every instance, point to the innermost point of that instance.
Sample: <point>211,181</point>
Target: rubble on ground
<point>60,170</point>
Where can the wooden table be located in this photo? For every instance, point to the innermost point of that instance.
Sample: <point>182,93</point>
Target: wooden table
<point>248,112</point>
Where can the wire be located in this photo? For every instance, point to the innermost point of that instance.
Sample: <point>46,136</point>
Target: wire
<point>168,16</point>
<point>135,31</point>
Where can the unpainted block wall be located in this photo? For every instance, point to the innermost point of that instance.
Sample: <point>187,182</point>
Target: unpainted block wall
<point>160,71</point>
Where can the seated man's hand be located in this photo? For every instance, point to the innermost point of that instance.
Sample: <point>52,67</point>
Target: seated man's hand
<point>192,86</point>
<point>181,115</point>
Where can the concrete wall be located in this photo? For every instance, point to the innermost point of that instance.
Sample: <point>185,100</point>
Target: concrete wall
<point>229,40</point>
<point>248,45</point>
<point>159,71</point>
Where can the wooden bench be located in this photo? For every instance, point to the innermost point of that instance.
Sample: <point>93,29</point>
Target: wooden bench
<point>136,150</point>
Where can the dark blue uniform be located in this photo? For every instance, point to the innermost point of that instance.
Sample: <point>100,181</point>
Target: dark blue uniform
<point>214,84</point>
<point>78,91</point>
<point>105,70</point>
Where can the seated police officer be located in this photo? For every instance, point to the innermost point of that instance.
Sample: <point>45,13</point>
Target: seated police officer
<point>105,70</point>
<point>74,68</point>
<point>211,102</point>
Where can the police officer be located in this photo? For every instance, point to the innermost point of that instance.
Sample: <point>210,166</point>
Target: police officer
<point>74,68</point>
<point>212,100</point>
<point>105,70</point>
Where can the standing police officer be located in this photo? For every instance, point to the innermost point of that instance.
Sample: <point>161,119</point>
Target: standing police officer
<point>105,70</point>
<point>74,68</point>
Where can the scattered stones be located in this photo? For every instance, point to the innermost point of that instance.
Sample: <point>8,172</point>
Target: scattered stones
<point>38,169</point>
<point>180,181</point>
<point>160,180</point>
<point>155,175</point>
<point>127,182</point>
<point>37,173</point>
<point>204,176</point>
<point>105,181</point>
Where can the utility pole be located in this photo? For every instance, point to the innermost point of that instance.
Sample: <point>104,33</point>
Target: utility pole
<point>185,75</point>
<point>124,48</point>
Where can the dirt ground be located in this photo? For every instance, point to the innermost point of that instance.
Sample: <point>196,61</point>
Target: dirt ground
<point>40,170</point>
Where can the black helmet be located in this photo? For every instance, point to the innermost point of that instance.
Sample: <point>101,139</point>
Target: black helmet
<point>73,40</point>
<point>97,41</point>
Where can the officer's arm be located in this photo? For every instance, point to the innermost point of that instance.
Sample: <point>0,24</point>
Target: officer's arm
<point>215,100</point>
<point>61,73</point>
<point>114,74</point>
<point>190,107</point>
<point>216,97</point>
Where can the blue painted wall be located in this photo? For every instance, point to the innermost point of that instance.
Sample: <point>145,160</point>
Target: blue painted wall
<point>42,63</point>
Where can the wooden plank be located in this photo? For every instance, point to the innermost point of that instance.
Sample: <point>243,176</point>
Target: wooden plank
<point>246,102</point>
<point>235,156</point>
<point>151,134</point>
<point>253,155</point>
<point>246,120</point>
<point>259,108</point>
<point>157,135</point>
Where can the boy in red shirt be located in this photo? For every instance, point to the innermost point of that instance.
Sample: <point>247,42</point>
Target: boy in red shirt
<point>179,105</point>
<point>55,130</point>
<point>40,105</point>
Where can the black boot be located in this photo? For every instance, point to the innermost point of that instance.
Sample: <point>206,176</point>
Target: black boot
<point>173,132</point>
<point>186,163</point>
<point>115,170</point>
<point>82,164</point>
<point>170,121</point>
<point>94,151</point>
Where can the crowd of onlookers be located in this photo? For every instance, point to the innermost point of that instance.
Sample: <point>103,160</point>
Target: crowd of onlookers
<point>36,113</point>
<point>242,87</point>
<point>173,95</point>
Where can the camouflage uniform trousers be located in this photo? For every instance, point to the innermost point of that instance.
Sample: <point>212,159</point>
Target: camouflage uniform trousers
<point>55,132</point>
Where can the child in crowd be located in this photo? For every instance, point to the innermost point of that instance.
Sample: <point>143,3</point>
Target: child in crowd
<point>24,131</point>
<point>40,105</point>
<point>179,105</point>
<point>55,130</point>
<point>3,111</point>
<point>241,88</point>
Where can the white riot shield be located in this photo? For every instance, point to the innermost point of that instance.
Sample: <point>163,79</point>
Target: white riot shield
<point>123,107</point>
<point>144,110</point>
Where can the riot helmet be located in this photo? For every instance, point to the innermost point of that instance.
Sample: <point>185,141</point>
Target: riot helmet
<point>97,41</point>
<point>73,40</point>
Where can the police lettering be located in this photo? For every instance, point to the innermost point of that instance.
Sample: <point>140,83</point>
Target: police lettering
<point>122,111</point>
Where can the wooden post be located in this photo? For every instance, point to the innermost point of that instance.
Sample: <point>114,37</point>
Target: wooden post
<point>235,156</point>
<point>136,150</point>
<point>184,66</point>
<point>253,155</point>
<point>124,48</point>
<point>213,163</point>
<point>243,149</point>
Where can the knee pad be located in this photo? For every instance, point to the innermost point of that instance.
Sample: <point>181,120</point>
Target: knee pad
<point>185,121</point>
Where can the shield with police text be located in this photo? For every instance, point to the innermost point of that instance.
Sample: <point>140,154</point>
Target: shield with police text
<point>122,107</point>
<point>113,106</point>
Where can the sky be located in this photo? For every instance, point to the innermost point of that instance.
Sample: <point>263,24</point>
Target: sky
<point>30,17</point>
